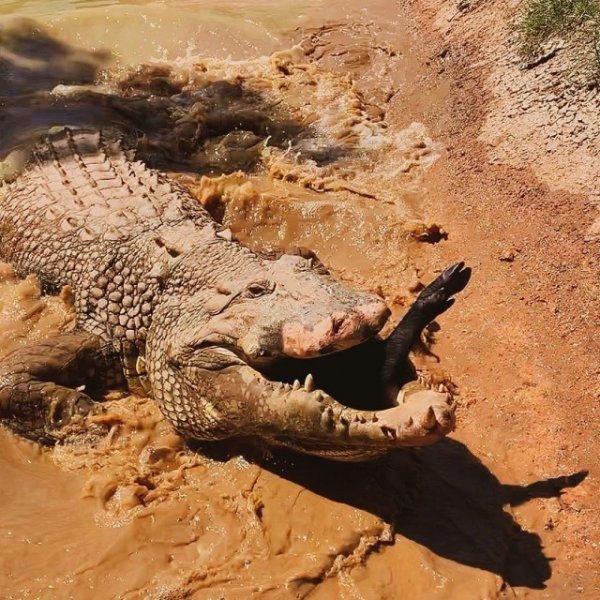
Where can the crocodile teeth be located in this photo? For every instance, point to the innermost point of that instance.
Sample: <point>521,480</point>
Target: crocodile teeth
<point>226,234</point>
<point>318,395</point>
<point>296,385</point>
<point>441,388</point>
<point>309,383</point>
<point>429,421</point>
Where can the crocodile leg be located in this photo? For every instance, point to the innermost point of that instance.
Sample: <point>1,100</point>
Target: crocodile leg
<point>434,300</point>
<point>41,385</point>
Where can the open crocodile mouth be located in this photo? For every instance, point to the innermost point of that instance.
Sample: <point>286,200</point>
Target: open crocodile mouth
<point>358,417</point>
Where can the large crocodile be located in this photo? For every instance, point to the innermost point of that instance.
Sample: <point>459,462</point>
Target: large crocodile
<point>198,321</point>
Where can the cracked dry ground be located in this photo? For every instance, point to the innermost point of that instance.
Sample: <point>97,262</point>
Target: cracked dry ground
<point>496,511</point>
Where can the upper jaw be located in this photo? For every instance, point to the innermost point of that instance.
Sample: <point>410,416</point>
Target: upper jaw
<point>336,331</point>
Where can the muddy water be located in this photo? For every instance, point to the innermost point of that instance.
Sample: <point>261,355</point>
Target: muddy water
<point>131,32</point>
<point>290,153</point>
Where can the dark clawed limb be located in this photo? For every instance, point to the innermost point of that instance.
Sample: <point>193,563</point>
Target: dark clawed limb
<point>436,298</point>
<point>433,300</point>
<point>40,385</point>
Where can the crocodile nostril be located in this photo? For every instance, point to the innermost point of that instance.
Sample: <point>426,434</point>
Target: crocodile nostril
<point>374,313</point>
<point>57,414</point>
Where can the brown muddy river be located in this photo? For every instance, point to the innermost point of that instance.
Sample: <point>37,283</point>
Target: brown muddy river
<point>137,514</point>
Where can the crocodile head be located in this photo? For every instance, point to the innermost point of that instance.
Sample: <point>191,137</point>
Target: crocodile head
<point>291,307</point>
<point>210,362</point>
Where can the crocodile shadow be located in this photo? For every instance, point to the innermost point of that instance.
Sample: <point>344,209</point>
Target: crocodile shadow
<point>441,497</point>
<point>31,60</point>
<point>218,127</point>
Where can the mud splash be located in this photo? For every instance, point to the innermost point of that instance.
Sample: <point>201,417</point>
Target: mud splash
<point>288,152</point>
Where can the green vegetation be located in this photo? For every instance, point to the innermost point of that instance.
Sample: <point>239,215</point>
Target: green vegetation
<point>577,21</point>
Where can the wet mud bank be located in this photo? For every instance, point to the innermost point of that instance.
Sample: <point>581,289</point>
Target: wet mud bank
<point>355,137</point>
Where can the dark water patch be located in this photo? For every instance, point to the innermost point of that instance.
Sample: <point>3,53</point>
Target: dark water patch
<point>214,127</point>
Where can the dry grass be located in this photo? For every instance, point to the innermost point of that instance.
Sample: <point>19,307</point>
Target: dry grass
<point>576,21</point>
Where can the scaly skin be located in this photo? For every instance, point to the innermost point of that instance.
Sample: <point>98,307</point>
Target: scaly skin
<point>192,316</point>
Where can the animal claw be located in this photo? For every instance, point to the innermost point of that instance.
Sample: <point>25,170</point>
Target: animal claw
<point>436,298</point>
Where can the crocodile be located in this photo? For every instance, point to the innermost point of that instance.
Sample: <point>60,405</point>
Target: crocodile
<point>167,302</point>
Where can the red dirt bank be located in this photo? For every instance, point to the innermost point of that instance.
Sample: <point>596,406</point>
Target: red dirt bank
<point>525,342</point>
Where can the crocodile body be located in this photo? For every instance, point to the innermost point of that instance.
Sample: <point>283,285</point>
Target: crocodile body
<point>193,316</point>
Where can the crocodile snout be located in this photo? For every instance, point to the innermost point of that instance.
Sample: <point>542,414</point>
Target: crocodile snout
<point>337,331</point>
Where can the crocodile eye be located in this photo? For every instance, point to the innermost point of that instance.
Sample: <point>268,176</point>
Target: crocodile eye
<point>258,288</point>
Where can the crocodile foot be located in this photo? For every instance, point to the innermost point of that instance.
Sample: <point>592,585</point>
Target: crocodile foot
<point>35,400</point>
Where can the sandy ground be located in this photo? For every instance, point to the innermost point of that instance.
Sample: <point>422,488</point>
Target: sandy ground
<point>532,367</point>
<point>499,510</point>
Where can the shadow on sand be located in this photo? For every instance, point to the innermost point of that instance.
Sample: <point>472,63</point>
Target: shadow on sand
<point>441,497</point>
